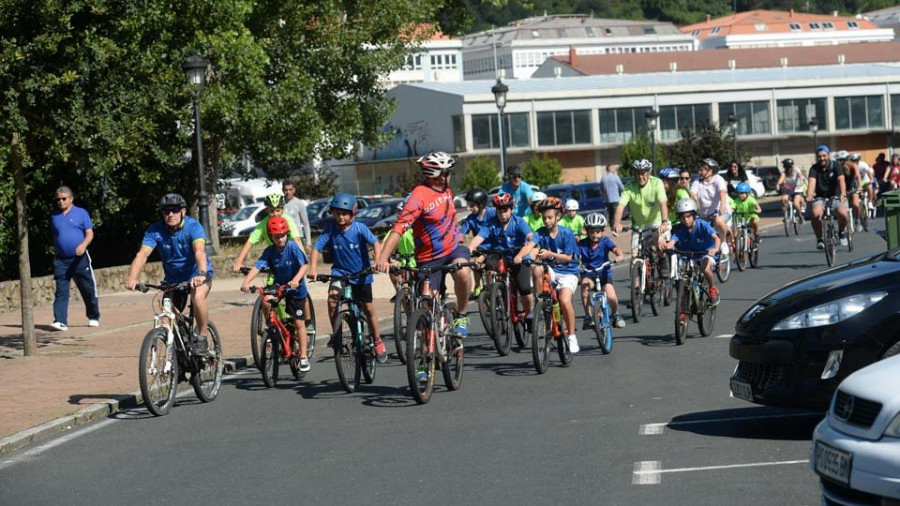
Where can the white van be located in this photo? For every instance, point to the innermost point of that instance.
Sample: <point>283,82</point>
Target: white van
<point>240,192</point>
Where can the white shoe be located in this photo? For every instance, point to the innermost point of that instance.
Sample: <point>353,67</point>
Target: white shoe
<point>93,323</point>
<point>304,365</point>
<point>59,326</point>
<point>724,249</point>
<point>573,344</point>
<point>843,241</point>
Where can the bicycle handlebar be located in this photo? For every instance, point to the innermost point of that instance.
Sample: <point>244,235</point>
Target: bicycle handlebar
<point>184,286</point>
<point>451,267</point>
<point>325,278</point>
<point>246,270</point>
<point>597,270</point>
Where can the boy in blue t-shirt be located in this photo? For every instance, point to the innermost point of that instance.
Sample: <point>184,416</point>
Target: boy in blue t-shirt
<point>695,235</point>
<point>287,263</point>
<point>350,241</point>
<point>556,243</point>
<point>593,251</point>
<point>480,213</point>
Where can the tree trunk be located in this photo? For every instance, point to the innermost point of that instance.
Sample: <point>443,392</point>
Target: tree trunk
<point>27,296</point>
<point>212,182</point>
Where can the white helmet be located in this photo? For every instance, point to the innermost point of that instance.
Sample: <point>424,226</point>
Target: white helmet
<point>686,205</point>
<point>436,163</point>
<point>571,205</point>
<point>841,155</point>
<point>537,197</point>
<point>595,220</point>
<point>642,165</point>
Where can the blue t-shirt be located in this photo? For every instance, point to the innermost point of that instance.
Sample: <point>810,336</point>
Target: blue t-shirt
<point>513,237</point>
<point>176,249</point>
<point>522,194</point>
<point>284,265</point>
<point>564,244</point>
<point>69,230</point>
<point>592,256</point>
<point>472,223</point>
<point>351,249</point>
<point>698,241</point>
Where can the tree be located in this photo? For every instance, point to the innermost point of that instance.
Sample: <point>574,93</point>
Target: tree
<point>542,170</point>
<point>322,182</point>
<point>639,147</point>
<point>481,172</point>
<point>709,142</point>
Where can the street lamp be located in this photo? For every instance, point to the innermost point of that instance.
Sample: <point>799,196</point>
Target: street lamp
<point>734,124</point>
<point>814,128</point>
<point>500,90</point>
<point>651,115</point>
<point>194,68</point>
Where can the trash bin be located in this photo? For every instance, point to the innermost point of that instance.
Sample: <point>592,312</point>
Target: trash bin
<point>891,203</point>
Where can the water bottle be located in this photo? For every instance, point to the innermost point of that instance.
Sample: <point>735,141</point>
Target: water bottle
<point>557,313</point>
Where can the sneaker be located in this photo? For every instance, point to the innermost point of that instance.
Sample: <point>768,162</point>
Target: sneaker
<point>724,250</point>
<point>714,294</point>
<point>618,321</point>
<point>421,375</point>
<point>461,327</point>
<point>304,365</point>
<point>476,292</point>
<point>843,240</point>
<point>93,323</point>
<point>380,351</point>
<point>820,244</point>
<point>573,344</point>
<point>201,346</point>
<point>59,326</point>
<point>588,323</point>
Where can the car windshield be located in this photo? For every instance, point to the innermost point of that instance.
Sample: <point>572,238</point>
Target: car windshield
<point>371,212</point>
<point>245,213</point>
<point>315,208</point>
<point>560,193</point>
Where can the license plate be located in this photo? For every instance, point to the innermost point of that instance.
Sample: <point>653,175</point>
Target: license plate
<point>832,463</point>
<point>742,390</point>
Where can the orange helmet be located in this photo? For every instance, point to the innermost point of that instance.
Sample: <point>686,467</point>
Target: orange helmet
<point>550,203</point>
<point>503,200</point>
<point>277,225</point>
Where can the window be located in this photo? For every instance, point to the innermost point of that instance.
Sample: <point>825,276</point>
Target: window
<point>858,113</point>
<point>761,27</point>
<point>814,26</point>
<point>796,27</point>
<point>752,117</point>
<point>895,111</point>
<point>674,118</point>
<point>620,125</point>
<point>853,25</point>
<point>794,115</point>
<point>649,30</point>
<point>715,30</point>
<point>536,34</point>
<point>485,134</point>
<point>564,127</point>
<point>695,33</point>
<point>459,135</point>
<point>828,25</point>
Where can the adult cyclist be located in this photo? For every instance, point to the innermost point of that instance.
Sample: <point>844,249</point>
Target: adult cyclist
<point>792,186</point>
<point>826,181</point>
<point>518,188</point>
<point>868,178</point>
<point>646,200</point>
<point>852,179</point>
<point>430,212</point>
<point>711,191</point>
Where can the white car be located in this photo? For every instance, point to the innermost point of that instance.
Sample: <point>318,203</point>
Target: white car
<point>246,218</point>
<point>756,184</point>
<point>856,448</point>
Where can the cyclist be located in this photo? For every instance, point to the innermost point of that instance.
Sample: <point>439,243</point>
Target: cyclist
<point>477,199</point>
<point>694,234</point>
<point>506,231</point>
<point>826,180</point>
<point>868,178</point>
<point>852,179</point>
<point>792,185</point>
<point>432,216</point>
<point>406,246</point>
<point>274,207</point>
<point>520,190</point>
<point>593,251</point>
<point>289,264</point>
<point>532,216</point>
<point>711,191</point>
<point>745,204</point>
<point>675,188</point>
<point>182,249</point>
<point>734,176</point>
<point>350,241</point>
<point>646,200</point>
<point>572,220</point>
<point>556,243</point>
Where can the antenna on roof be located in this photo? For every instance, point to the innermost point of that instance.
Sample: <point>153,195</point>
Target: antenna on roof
<point>673,66</point>
<point>620,69</point>
<point>841,59</point>
<point>557,71</point>
<point>784,62</point>
<point>731,64</point>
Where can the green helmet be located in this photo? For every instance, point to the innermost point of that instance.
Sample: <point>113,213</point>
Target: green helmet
<point>275,200</point>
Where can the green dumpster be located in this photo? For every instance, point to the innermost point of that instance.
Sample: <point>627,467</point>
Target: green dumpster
<point>891,203</point>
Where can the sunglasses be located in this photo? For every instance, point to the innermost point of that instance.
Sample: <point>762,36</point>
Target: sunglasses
<point>61,199</point>
<point>171,210</point>
<point>684,178</point>
<point>515,176</point>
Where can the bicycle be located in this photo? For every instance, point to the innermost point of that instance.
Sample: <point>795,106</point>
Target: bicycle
<point>548,329</point>
<point>792,220</point>
<point>746,249</point>
<point>693,298</point>
<point>430,340</point>
<point>405,302</point>
<point>830,234</point>
<point>503,295</point>
<point>866,212</point>
<point>599,308</point>
<point>280,344</point>
<point>644,270</point>
<point>166,355</point>
<point>723,262</point>
<point>352,339</point>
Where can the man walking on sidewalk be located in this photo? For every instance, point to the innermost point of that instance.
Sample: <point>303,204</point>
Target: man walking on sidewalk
<point>72,233</point>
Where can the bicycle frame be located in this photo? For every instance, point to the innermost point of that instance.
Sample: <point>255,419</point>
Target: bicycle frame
<point>169,319</point>
<point>547,291</point>
<point>274,321</point>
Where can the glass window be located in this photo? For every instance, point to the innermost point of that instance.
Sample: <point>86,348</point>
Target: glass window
<point>485,134</point>
<point>895,111</point>
<point>581,124</point>
<point>564,127</point>
<point>852,24</point>
<point>459,144</point>
<point>545,129</point>
<point>715,30</point>
<point>752,117</point>
<point>481,131</point>
<point>859,113</point>
<point>828,25</point>
<point>794,115</point>
<point>674,118</point>
<point>592,192</point>
<point>518,129</point>
<point>619,125</point>
<point>796,27</point>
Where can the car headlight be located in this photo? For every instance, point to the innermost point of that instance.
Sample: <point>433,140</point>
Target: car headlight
<point>830,312</point>
<point>893,428</point>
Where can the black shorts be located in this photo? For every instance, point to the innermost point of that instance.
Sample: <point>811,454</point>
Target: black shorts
<point>295,308</point>
<point>360,293</point>
<point>436,279</point>
<point>179,299</point>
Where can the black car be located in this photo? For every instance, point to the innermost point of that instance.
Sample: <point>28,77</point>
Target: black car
<point>769,175</point>
<point>796,344</point>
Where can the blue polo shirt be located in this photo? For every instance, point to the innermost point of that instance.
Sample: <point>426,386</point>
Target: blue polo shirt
<point>351,249</point>
<point>595,255</point>
<point>176,249</point>
<point>522,194</point>
<point>497,238</point>
<point>699,240</point>
<point>472,223</point>
<point>69,230</point>
<point>564,244</point>
<point>284,265</point>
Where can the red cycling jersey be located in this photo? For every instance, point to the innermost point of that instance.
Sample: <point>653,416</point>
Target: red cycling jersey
<point>432,216</point>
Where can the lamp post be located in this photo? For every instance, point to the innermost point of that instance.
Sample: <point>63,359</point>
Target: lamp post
<point>734,124</point>
<point>651,115</point>
<point>814,128</point>
<point>194,68</point>
<point>500,90</point>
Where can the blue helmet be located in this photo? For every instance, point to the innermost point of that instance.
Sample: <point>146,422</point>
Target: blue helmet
<point>669,173</point>
<point>345,201</point>
<point>823,148</point>
<point>744,187</point>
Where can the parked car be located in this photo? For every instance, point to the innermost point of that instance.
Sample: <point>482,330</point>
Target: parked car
<point>375,214</point>
<point>756,184</point>
<point>769,175</point>
<point>319,212</point>
<point>856,448</point>
<point>589,195</point>
<point>244,221</point>
<point>796,344</point>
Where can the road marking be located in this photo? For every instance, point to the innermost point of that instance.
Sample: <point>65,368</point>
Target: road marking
<point>34,452</point>
<point>646,473</point>
<point>651,429</point>
<point>650,472</point>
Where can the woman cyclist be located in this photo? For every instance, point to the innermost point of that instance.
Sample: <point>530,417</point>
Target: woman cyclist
<point>734,176</point>
<point>792,186</point>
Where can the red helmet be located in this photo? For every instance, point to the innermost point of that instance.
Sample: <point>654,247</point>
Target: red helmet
<point>503,200</point>
<point>277,225</point>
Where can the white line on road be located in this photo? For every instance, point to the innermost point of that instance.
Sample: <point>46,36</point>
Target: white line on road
<point>34,452</point>
<point>650,475</point>
<point>646,473</point>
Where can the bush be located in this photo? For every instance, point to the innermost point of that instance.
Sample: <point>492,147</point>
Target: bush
<point>709,142</point>
<point>481,172</point>
<point>542,170</point>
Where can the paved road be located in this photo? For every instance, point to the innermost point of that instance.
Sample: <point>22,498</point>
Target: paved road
<point>652,423</point>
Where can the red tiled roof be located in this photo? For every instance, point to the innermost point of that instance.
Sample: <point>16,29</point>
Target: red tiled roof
<point>775,22</point>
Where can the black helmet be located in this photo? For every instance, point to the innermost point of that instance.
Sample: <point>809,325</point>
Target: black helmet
<point>172,200</point>
<point>787,162</point>
<point>514,170</point>
<point>478,196</point>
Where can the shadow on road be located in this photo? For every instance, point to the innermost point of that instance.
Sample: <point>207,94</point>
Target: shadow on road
<point>750,423</point>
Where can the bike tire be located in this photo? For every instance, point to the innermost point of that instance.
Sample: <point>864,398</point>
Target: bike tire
<point>754,255</point>
<point>656,296</point>
<point>521,334</point>
<point>602,326</point>
<point>667,292</point>
<point>849,241</point>
<point>311,330</point>
<point>682,312</point>
<point>270,358</point>
<point>830,250</point>
<point>294,360</point>
<point>345,351</point>
<point>484,310</point>
<point>367,361</point>
<point>723,269</point>
<point>418,356</point>
<point>741,255</point>
<point>707,317</point>
<point>402,311</point>
<point>257,332</point>
<point>207,380</point>
<point>500,325</point>
<point>796,223</point>
<point>637,296</point>
<point>787,220</point>
<point>158,387</point>
<point>565,353</point>
<point>541,335</point>
<point>454,351</point>
<point>864,218</point>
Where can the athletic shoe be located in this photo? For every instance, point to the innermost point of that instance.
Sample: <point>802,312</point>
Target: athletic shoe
<point>201,346</point>
<point>93,323</point>
<point>618,321</point>
<point>573,344</point>
<point>461,327</point>
<point>714,294</point>
<point>843,241</point>
<point>820,244</point>
<point>59,326</point>
<point>476,292</point>
<point>380,351</point>
<point>304,365</point>
<point>588,323</point>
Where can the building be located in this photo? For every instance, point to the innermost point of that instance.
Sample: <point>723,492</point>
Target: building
<point>762,28</point>
<point>886,18</point>
<point>439,59</point>
<point>520,48</point>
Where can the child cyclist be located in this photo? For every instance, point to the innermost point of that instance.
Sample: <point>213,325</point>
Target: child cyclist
<point>593,251</point>
<point>274,207</point>
<point>406,247</point>
<point>288,264</point>
<point>477,200</point>
<point>695,235</point>
<point>745,205</point>
<point>553,242</point>
<point>572,220</point>
<point>532,216</point>
<point>350,241</point>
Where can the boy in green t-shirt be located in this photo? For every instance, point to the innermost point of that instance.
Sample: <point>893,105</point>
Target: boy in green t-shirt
<point>274,207</point>
<point>532,217</point>
<point>572,220</point>
<point>745,205</point>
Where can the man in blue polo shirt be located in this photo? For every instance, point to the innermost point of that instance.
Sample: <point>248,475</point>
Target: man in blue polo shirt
<point>182,248</point>
<point>72,233</point>
<point>519,189</point>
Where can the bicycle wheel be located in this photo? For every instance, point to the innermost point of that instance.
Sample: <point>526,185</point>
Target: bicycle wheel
<point>707,315</point>
<point>741,255</point>
<point>484,310</point>
<point>402,309</point>
<point>849,240</point>
<point>540,335</point>
<point>419,358</point>
<point>207,380</point>
<point>637,295</point>
<point>667,292</point>
<point>602,325</point>
<point>723,269</point>
<point>796,221</point>
<point>656,295</point>
<point>501,329</point>
<point>788,219</point>
<point>345,351</point>
<point>367,354</point>
<point>521,334</point>
<point>454,351</point>
<point>830,247</point>
<point>294,360</point>
<point>754,254</point>
<point>864,216</point>
<point>682,312</point>
<point>311,330</point>
<point>270,358</point>
<point>158,373</point>
<point>565,353</point>
<point>257,332</point>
